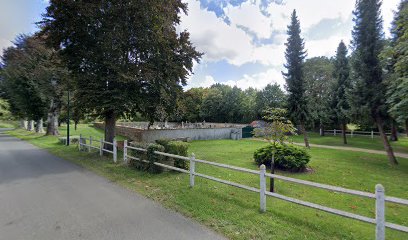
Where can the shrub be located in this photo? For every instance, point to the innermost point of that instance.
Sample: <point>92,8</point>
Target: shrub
<point>178,148</point>
<point>149,156</point>
<point>287,157</point>
<point>164,142</point>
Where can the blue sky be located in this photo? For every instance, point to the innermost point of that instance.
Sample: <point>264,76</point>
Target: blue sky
<point>243,40</point>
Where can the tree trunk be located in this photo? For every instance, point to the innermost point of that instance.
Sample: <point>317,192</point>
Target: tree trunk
<point>387,146</point>
<point>394,131</point>
<point>110,123</point>
<point>406,127</point>
<point>52,121</point>
<point>30,125</point>
<point>39,126</point>
<point>24,124</point>
<point>343,132</point>
<point>304,132</point>
<point>75,125</point>
<point>321,129</point>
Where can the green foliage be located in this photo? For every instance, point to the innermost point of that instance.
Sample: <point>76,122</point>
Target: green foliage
<point>295,83</point>
<point>287,157</point>
<point>5,113</point>
<point>178,148</point>
<point>164,142</point>
<point>341,74</point>
<point>278,127</point>
<point>149,156</point>
<point>271,96</point>
<point>368,93</point>
<point>398,54</point>
<point>319,81</point>
<point>126,57</point>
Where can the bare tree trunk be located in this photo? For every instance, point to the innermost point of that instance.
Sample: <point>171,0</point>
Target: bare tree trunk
<point>52,121</point>
<point>110,123</point>
<point>76,125</point>
<point>321,129</point>
<point>30,125</point>
<point>304,132</point>
<point>394,131</point>
<point>406,127</point>
<point>24,124</point>
<point>343,132</point>
<point>39,128</point>
<point>387,146</point>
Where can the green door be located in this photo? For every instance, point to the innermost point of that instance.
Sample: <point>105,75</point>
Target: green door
<point>247,132</point>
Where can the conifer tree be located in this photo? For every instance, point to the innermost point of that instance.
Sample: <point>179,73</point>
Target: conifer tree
<point>368,94</point>
<point>295,85</point>
<point>341,74</point>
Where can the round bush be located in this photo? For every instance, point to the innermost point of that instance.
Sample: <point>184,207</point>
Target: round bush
<point>287,157</point>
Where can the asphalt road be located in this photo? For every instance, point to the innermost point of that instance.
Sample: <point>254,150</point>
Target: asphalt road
<point>44,197</point>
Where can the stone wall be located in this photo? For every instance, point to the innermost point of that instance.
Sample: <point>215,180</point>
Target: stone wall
<point>191,133</point>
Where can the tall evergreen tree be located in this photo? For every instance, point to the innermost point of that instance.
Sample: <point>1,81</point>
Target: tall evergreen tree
<point>126,56</point>
<point>398,85</point>
<point>368,95</point>
<point>341,75</point>
<point>295,85</point>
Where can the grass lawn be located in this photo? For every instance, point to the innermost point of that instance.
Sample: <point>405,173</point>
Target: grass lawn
<point>235,212</point>
<point>356,141</point>
<point>7,124</point>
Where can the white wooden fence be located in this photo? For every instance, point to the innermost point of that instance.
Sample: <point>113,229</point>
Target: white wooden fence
<point>378,195</point>
<point>82,143</point>
<point>355,133</point>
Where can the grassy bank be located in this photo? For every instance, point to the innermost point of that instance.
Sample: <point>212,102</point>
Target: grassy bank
<point>234,212</point>
<point>356,141</point>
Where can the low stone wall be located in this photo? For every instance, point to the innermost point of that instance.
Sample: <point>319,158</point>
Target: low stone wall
<point>191,133</point>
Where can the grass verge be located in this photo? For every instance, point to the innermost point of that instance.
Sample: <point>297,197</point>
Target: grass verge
<point>234,212</point>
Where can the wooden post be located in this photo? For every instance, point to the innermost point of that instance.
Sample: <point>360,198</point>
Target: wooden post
<point>192,169</point>
<point>352,133</point>
<point>90,144</point>
<point>115,150</point>
<point>125,151</point>
<point>79,142</point>
<point>379,212</point>
<point>101,148</point>
<point>334,132</point>
<point>262,182</point>
<point>372,134</point>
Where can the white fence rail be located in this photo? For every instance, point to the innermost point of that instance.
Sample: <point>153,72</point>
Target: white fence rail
<point>101,148</point>
<point>378,195</point>
<point>371,134</point>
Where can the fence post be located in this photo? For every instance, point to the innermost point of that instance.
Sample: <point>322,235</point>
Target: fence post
<point>372,134</point>
<point>90,144</point>
<point>101,148</point>
<point>192,169</point>
<point>125,151</point>
<point>379,212</point>
<point>352,133</point>
<point>262,188</point>
<point>115,150</point>
<point>334,132</point>
<point>79,142</point>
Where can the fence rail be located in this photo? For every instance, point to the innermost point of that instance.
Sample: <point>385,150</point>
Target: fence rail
<point>379,194</point>
<point>356,133</point>
<point>101,148</point>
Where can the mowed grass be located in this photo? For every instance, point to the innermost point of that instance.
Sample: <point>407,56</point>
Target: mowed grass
<point>7,124</point>
<point>356,141</point>
<point>235,212</point>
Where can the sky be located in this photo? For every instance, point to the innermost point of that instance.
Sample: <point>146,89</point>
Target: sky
<point>242,40</point>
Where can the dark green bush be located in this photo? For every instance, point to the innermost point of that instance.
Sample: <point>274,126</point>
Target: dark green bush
<point>147,156</point>
<point>178,148</point>
<point>164,142</point>
<point>287,157</point>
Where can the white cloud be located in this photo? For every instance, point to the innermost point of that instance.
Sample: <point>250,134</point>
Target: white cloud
<point>207,82</point>
<point>259,80</point>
